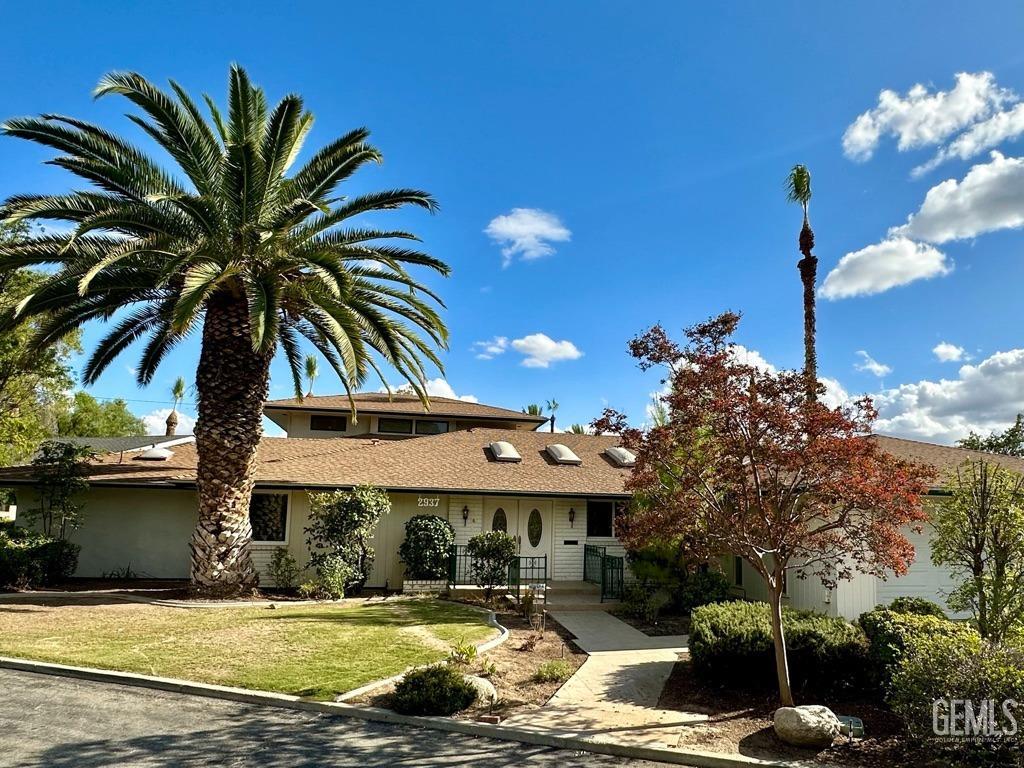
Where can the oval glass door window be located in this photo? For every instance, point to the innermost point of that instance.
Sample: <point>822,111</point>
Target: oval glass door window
<point>500,522</point>
<point>534,528</point>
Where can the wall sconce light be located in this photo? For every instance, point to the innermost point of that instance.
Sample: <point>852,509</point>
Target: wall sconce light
<point>572,517</point>
<point>465,515</point>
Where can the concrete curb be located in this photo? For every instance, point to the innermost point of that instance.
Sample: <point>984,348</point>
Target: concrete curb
<point>188,604</point>
<point>284,701</point>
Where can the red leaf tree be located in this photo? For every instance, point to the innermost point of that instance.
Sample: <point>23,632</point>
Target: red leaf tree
<point>748,465</point>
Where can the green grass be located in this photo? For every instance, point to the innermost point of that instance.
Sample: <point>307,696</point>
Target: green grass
<point>314,651</point>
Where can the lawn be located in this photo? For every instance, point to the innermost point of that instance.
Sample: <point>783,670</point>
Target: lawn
<point>314,651</point>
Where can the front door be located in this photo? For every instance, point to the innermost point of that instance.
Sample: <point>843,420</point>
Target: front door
<point>535,528</point>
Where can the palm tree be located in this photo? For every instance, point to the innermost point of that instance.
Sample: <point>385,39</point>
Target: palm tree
<point>178,393</point>
<point>798,190</point>
<point>577,429</point>
<point>533,409</point>
<point>231,246</point>
<point>312,372</point>
<point>552,407</point>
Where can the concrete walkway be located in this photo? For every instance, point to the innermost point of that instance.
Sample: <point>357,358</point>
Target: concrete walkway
<point>614,696</point>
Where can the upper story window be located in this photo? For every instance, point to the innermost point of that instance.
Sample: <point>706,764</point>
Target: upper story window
<point>394,426</point>
<point>425,427</point>
<point>323,423</point>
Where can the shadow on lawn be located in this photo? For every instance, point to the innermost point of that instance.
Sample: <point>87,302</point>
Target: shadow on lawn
<point>380,614</point>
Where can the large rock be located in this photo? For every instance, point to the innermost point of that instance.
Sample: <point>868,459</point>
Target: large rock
<point>807,726</point>
<point>486,693</point>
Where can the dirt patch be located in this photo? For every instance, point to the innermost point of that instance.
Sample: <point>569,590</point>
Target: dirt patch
<point>664,625</point>
<point>511,667</point>
<point>741,721</point>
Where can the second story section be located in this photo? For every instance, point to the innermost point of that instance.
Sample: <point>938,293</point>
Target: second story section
<point>394,416</point>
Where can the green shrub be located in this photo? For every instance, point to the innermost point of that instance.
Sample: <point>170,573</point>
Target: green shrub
<point>889,635</point>
<point>436,690</point>
<point>554,671</point>
<point>463,653</point>
<point>962,667</point>
<point>341,525</point>
<point>731,644</point>
<point>333,575</point>
<point>644,603</point>
<point>29,559</point>
<point>917,605</point>
<point>283,569</point>
<point>702,588</point>
<point>661,568</point>
<point>427,547</point>
<point>490,554</point>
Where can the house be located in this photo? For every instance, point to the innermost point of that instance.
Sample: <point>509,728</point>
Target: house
<point>481,467</point>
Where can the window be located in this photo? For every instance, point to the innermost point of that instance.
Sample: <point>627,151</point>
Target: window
<point>321,423</point>
<point>395,426</point>
<point>599,518</point>
<point>268,514</point>
<point>738,567</point>
<point>431,427</point>
<point>500,521</point>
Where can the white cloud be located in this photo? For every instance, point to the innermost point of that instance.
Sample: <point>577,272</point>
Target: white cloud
<point>156,422</point>
<point>988,134</point>
<point>835,394</point>
<point>527,232</point>
<point>870,365</point>
<point>541,350</point>
<point>989,198</point>
<point>982,398</point>
<point>438,388</point>
<point>752,357</point>
<point>948,353</point>
<point>879,267</point>
<point>923,117</point>
<point>487,350</point>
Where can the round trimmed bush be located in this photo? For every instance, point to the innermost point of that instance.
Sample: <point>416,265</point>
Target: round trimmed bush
<point>490,554</point>
<point>918,606</point>
<point>437,690</point>
<point>427,547</point>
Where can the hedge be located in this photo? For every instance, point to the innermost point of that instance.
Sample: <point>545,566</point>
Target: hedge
<point>731,644</point>
<point>29,559</point>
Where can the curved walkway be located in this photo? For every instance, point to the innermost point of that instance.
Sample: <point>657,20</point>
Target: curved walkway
<point>614,696</point>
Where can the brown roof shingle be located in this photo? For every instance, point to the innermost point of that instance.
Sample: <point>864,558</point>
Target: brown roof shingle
<point>374,402</point>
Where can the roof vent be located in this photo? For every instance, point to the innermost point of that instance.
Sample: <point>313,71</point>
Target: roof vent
<point>504,451</point>
<point>156,454</point>
<point>563,454</point>
<point>621,456</point>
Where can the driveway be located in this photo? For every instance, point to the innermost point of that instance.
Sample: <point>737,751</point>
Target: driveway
<point>64,723</point>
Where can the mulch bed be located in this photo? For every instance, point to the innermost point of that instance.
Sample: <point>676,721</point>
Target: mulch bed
<point>741,721</point>
<point>510,667</point>
<point>665,625</point>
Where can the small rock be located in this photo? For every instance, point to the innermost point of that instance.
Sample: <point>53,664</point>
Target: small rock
<point>272,607</point>
<point>489,719</point>
<point>485,690</point>
<point>806,726</point>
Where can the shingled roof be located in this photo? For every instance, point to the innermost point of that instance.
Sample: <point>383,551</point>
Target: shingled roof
<point>454,462</point>
<point>378,402</point>
<point>945,458</point>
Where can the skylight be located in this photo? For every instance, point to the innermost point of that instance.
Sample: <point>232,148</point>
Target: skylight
<point>502,450</point>
<point>155,454</point>
<point>621,456</point>
<point>563,454</point>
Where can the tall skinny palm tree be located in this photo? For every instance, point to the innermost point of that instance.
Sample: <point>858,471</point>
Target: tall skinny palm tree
<point>552,407</point>
<point>798,190</point>
<point>178,393</point>
<point>232,246</point>
<point>312,373</point>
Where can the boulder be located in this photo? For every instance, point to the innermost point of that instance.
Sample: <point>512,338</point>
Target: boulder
<point>486,693</point>
<point>807,726</point>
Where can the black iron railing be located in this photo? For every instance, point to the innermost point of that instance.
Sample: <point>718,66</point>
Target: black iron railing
<point>608,571</point>
<point>522,570</point>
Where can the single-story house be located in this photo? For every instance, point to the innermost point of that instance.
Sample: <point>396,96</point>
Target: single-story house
<point>479,466</point>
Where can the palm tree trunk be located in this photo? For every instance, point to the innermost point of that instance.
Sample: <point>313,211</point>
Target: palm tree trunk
<point>232,384</point>
<point>808,267</point>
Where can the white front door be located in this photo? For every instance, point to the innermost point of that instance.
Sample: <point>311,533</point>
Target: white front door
<point>535,522</point>
<point>502,515</point>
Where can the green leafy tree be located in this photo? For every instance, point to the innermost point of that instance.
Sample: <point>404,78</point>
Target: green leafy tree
<point>1009,442</point>
<point>85,416</point>
<point>798,190</point>
<point>979,536</point>
<point>233,246</point>
<point>341,525</point>
<point>32,381</point>
<point>60,470</point>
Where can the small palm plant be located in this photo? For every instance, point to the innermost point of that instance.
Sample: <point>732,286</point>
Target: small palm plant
<point>577,429</point>
<point>231,245</point>
<point>798,190</point>
<point>178,393</point>
<point>312,373</point>
<point>533,409</point>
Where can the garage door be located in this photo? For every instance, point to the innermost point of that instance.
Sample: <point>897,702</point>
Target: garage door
<point>922,580</point>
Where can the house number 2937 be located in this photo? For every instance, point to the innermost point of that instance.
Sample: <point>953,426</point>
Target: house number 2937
<point>428,501</point>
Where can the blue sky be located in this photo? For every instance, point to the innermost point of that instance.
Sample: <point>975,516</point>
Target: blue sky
<point>646,146</point>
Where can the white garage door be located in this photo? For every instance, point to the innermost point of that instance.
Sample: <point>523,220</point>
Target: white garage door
<point>922,580</point>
